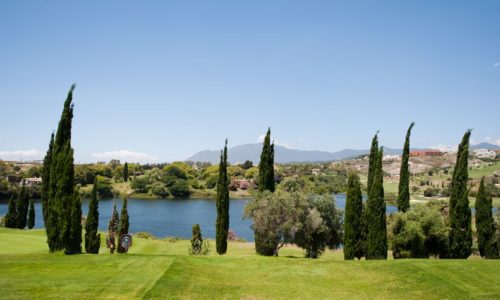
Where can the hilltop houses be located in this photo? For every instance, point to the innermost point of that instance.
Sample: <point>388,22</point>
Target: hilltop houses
<point>427,152</point>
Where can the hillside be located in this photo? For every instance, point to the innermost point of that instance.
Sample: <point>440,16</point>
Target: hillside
<point>158,269</point>
<point>239,154</point>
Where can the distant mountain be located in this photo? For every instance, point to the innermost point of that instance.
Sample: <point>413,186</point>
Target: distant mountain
<point>485,146</point>
<point>239,154</point>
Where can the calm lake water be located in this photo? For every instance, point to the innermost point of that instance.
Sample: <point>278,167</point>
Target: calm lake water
<point>168,217</point>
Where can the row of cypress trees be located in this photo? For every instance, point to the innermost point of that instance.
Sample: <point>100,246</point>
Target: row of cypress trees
<point>365,226</point>
<point>61,203</point>
<point>21,211</point>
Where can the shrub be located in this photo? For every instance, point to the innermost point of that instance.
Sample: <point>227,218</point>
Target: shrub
<point>159,189</point>
<point>180,188</point>
<point>198,245</point>
<point>418,233</point>
<point>140,184</point>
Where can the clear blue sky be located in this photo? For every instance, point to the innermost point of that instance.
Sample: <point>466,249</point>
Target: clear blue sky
<point>165,79</point>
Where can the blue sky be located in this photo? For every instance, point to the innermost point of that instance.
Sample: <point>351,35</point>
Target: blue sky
<point>160,80</point>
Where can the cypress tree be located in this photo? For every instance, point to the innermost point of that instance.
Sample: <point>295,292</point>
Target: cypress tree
<point>353,247</point>
<point>47,163</point>
<point>222,223</point>
<point>22,208</point>
<point>460,213</point>
<point>112,230</point>
<point>74,243</point>
<point>486,239</point>
<point>61,198</point>
<point>404,175</point>
<point>372,159</point>
<point>11,216</point>
<point>92,238</point>
<point>377,227</point>
<point>125,172</point>
<point>31,215</point>
<point>266,165</point>
<point>124,225</point>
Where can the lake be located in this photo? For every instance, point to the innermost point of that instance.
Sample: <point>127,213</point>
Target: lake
<point>174,218</point>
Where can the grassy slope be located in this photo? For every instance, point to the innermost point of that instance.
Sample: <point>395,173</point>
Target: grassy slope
<point>157,269</point>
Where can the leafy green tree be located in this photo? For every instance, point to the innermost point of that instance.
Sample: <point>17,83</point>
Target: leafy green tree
<point>377,227</point>
<point>74,243</point>
<point>276,217</point>
<point>31,215</point>
<point>22,208</point>
<point>404,175</point>
<point>460,213</point>
<point>11,216</point>
<point>266,165</point>
<point>222,222</point>
<point>125,172</point>
<point>353,243</point>
<point>124,225</point>
<point>320,227</point>
<point>92,237</point>
<point>485,224</point>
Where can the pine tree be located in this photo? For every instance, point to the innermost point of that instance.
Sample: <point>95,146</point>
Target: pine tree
<point>266,165</point>
<point>61,194</point>
<point>353,247</point>
<point>124,225</point>
<point>372,159</point>
<point>11,216</point>
<point>92,238</point>
<point>22,208</point>
<point>74,243</point>
<point>460,213</point>
<point>125,172</point>
<point>31,215</point>
<point>112,230</point>
<point>47,163</point>
<point>377,227</point>
<point>404,175</point>
<point>486,239</point>
<point>222,223</point>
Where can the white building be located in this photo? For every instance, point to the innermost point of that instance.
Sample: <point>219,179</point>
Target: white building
<point>32,181</point>
<point>484,153</point>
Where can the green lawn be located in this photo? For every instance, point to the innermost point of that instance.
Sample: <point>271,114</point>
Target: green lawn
<point>162,269</point>
<point>477,173</point>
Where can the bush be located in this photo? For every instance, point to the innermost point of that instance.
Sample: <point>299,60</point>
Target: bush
<point>175,171</point>
<point>159,189</point>
<point>180,188</point>
<point>140,184</point>
<point>418,233</point>
<point>198,245</point>
<point>104,187</point>
<point>430,192</point>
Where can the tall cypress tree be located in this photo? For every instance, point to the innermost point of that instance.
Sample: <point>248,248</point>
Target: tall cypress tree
<point>112,230</point>
<point>11,216</point>
<point>92,238</point>
<point>74,242</point>
<point>353,247</point>
<point>125,172</point>
<point>61,198</point>
<point>22,208</point>
<point>372,159</point>
<point>47,164</point>
<point>31,215</point>
<point>460,213</point>
<point>486,239</point>
<point>222,223</point>
<point>266,165</point>
<point>377,227</point>
<point>124,225</point>
<point>404,175</point>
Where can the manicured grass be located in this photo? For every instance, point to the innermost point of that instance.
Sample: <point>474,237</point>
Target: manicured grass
<point>477,173</point>
<point>161,269</point>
